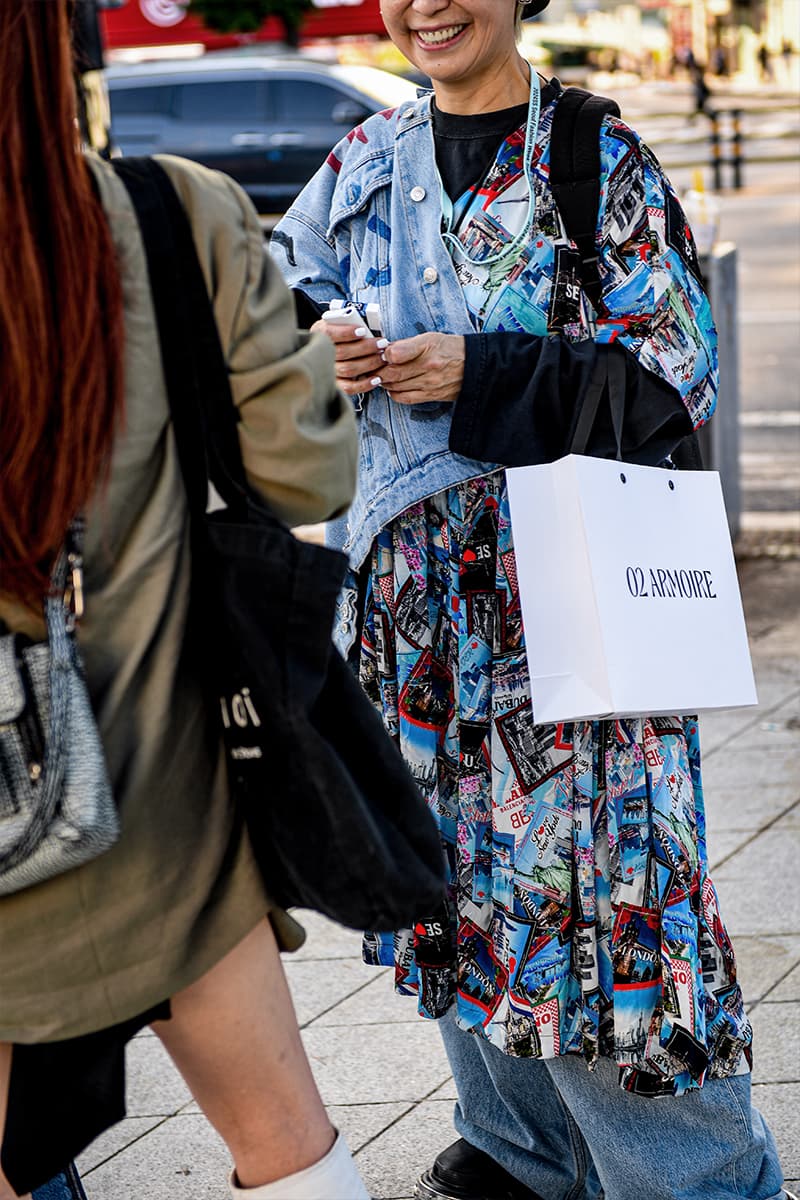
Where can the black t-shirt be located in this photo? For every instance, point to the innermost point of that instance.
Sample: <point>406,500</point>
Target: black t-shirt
<point>466,145</point>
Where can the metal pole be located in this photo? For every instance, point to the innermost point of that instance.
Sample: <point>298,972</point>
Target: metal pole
<point>737,158</point>
<point>716,159</point>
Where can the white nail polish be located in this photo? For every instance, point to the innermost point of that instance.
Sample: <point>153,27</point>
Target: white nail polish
<point>376,382</point>
<point>362,332</point>
<point>382,343</point>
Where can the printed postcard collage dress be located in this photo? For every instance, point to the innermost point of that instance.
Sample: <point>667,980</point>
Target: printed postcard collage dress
<point>581,915</point>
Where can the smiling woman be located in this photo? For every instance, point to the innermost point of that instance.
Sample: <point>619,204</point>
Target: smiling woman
<point>469,50</point>
<point>582,929</point>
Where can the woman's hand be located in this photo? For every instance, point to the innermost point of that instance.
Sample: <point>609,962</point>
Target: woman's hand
<point>423,369</point>
<point>358,355</point>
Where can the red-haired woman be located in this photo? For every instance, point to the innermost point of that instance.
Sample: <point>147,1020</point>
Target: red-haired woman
<point>176,909</point>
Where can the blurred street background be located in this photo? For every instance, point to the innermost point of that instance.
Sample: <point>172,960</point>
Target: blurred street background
<point>713,87</point>
<point>263,88</point>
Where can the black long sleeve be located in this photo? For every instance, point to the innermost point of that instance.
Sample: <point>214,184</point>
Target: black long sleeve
<point>307,311</point>
<point>522,395</point>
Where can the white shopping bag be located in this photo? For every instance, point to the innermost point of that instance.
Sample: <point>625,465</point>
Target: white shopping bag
<point>630,600</point>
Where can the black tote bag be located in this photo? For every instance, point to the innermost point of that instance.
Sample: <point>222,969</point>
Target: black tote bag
<point>336,821</point>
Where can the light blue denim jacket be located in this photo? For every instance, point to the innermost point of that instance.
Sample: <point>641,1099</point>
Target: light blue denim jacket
<point>374,206</point>
<point>368,228</point>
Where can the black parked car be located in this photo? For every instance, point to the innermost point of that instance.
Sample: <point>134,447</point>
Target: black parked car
<point>267,121</point>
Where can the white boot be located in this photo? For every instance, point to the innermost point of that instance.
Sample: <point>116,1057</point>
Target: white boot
<point>334,1177</point>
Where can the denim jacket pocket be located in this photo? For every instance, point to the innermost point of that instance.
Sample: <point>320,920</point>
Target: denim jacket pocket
<point>352,195</point>
<point>370,250</point>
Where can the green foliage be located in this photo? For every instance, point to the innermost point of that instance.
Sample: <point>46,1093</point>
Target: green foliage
<point>247,16</point>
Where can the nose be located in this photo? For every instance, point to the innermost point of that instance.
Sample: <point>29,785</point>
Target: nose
<point>429,8</point>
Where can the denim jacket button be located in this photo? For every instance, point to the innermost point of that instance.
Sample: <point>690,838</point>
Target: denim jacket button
<point>417,194</point>
<point>430,275</point>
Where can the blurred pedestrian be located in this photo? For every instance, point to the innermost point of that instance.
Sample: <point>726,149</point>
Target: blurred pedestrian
<point>719,60</point>
<point>765,63</point>
<point>171,926</point>
<point>583,978</point>
<point>788,52</point>
<point>701,92</point>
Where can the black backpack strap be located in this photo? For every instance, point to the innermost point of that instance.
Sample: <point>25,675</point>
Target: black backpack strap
<point>195,371</point>
<point>575,183</point>
<point>575,175</point>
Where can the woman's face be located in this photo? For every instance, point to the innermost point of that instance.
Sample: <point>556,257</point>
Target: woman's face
<point>455,42</point>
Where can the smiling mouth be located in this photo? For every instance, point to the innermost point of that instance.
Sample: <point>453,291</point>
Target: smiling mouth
<point>439,37</point>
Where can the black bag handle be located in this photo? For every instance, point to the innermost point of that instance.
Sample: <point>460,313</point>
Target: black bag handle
<point>195,370</point>
<point>608,378</point>
<point>590,406</point>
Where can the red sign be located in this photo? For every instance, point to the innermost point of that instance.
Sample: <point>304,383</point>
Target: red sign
<point>680,28</point>
<point>170,22</point>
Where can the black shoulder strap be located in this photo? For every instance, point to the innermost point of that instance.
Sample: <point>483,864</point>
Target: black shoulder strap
<point>575,174</point>
<point>195,371</point>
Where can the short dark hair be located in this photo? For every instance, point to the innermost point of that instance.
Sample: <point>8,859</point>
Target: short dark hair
<point>528,8</point>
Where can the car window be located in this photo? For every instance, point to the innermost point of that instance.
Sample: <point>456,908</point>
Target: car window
<point>305,103</point>
<point>223,101</point>
<point>139,101</point>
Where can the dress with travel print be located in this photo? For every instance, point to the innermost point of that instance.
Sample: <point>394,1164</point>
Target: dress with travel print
<point>581,916</point>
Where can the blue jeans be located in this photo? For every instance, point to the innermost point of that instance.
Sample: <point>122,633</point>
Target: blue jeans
<point>66,1186</point>
<point>571,1134</point>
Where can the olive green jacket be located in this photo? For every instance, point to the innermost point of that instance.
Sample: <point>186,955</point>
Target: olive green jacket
<point>110,939</point>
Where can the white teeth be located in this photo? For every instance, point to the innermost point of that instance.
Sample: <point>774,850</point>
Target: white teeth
<point>434,36</point>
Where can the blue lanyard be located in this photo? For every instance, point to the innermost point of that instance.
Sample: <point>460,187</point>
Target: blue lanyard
<point>453,241</point>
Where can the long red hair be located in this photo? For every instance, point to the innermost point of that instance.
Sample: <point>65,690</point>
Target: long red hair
<point>61,325</point>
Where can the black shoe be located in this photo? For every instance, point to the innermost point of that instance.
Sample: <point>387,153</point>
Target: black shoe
<point>463,1173</point>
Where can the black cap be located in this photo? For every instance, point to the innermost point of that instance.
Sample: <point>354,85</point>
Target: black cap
<point>534,8</point>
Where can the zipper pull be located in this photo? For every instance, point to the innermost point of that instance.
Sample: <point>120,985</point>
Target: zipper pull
<point>74,596</point>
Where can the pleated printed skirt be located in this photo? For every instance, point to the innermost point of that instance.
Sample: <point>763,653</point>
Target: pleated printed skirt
<point>581,915</point>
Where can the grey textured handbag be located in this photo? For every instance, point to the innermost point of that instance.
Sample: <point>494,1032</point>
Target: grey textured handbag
<point>56,804</point>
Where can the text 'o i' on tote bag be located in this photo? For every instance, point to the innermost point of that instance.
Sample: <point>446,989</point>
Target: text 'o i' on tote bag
<point>336,820</point>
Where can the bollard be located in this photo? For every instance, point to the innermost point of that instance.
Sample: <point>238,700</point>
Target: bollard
<point>719,439</point>
<point>716,160</point>
<point>737,158</point>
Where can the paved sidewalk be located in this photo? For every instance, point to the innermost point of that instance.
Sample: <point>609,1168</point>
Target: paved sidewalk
<point>382,1071</point>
